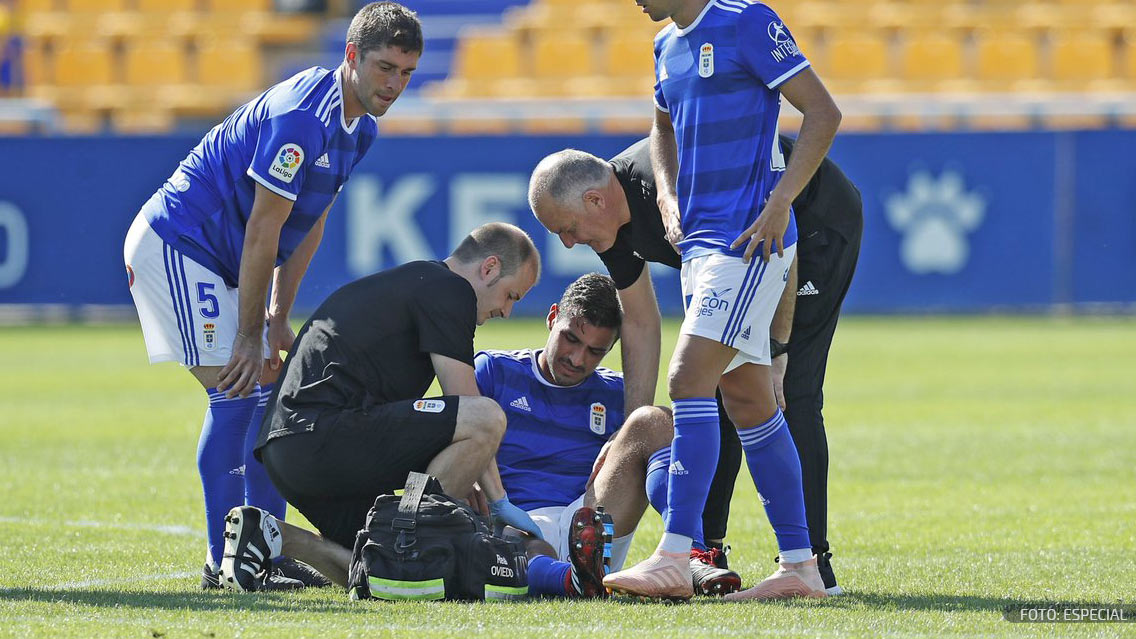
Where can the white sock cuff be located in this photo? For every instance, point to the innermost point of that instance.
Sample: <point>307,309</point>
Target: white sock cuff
<point>674,543</point>
<point>796,556</point>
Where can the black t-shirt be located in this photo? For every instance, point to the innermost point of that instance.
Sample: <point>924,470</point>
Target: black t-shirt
<point>829,200</point>
<point>370,342</point>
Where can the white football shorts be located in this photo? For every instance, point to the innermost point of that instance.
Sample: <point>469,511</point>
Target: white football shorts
<point>732,302</point>
<point>556,521</point>
<point>188,313</point>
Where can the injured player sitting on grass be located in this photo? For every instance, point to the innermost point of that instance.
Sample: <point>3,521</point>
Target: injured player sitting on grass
<point>567,449</point>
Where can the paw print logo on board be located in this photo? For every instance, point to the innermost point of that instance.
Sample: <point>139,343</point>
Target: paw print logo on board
<point>935,216</point>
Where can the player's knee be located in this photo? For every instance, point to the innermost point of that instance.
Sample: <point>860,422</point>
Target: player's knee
<point>486,417</point>
<point>652,426</point>
<point>681,383</point>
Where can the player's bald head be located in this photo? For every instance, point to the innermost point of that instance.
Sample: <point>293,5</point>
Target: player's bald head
<point>510,244</point>
<point>560,180</point>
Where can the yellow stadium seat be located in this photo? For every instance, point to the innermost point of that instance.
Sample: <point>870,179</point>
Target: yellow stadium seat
<point>558,56</point>
<point>930,58</point>
<point>854,60</point>
<point>154,64</point>
<point>487,55</point>
<point>1128,55</point>
<point>84,65</point>
<point>1006,60</point>
<point>94,6</point>
<point>904,16</point>
<point>232,65</point>
<point>1082,59</point>
<point>165,6</point>
<point>629,56</point>
<point>237,6</point>
<point>36,6</point>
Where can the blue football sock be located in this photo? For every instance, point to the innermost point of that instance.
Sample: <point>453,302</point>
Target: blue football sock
<point>548,576</point>
<point>694,457</point>
<point>220,461</point>
<point>657,477</point>
<point>776,471</point>
<point>259,490</point>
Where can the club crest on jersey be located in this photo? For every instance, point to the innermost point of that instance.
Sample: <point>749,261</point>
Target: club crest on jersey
<point>429,405</point>
<point>706,60</point>
<point>598,422</point>
<point>288,160</point>
<point>209,331</point>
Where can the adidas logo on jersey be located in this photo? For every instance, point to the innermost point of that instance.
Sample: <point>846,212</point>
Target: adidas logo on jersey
<point>745,333</point>
<point>808,289</point>
<point>239,471</point>
<point>677,468</point>
<point>323,162</point>
<point>521,403</point>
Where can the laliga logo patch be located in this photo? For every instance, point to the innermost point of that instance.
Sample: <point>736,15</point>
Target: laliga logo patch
<point>129,277</point>
<point>288,159</point>
<point>429,405</point>
<point>706,60</point>
<point>598,423</point>
<point>209,330</point>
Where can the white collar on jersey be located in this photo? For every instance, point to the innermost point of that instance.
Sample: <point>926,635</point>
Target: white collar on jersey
<point>688,28</point>
<point>540,376</point>
<point>350,128</point>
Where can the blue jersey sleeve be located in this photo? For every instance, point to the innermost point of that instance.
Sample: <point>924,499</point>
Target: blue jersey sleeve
<point>483,373</point>
<point>285,147</point>
<point>767,48</point>
<point>660,74</point>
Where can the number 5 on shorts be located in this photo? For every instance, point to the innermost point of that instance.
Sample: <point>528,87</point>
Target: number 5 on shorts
<point>210,310</point>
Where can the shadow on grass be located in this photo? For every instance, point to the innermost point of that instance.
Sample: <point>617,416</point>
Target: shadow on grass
<point>270,602</point>
<point>200,601</point>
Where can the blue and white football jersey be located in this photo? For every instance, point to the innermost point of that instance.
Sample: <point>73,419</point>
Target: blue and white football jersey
<point>555,432</point>
<point>718,80</point>
<point>293,139</point>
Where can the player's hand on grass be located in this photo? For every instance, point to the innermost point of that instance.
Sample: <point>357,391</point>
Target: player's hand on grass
<point>767,231</point>
<point>240,374</point>
<point>672,221</point>
<point>780,363</point>
<point>280,338</point>
<point>509,515</point>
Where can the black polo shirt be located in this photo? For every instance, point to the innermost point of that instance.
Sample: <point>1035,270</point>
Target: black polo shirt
<point>370,343</point>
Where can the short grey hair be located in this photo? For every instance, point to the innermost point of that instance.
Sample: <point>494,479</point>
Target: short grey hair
<point>565,176</point>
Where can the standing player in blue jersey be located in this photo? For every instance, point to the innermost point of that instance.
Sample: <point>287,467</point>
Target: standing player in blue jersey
<point>725,192</point>
<point>245,209</point>
<point>566,448</point>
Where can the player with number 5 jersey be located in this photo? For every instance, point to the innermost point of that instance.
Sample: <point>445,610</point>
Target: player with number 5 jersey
<point>724,193</point>
<point>246,210</point>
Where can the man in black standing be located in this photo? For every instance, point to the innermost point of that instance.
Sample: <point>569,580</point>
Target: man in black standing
<point>348,421</point>
<point>611,206</point>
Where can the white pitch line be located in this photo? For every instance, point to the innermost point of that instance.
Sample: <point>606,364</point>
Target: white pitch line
<point>184,531</point>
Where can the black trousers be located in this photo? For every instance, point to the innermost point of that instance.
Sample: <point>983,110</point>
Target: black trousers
<point>827,261</point>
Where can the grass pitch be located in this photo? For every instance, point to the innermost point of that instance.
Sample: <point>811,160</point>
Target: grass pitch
<point>975,464</point>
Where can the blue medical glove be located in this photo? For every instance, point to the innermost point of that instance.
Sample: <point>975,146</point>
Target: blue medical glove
<point>504,512</point>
